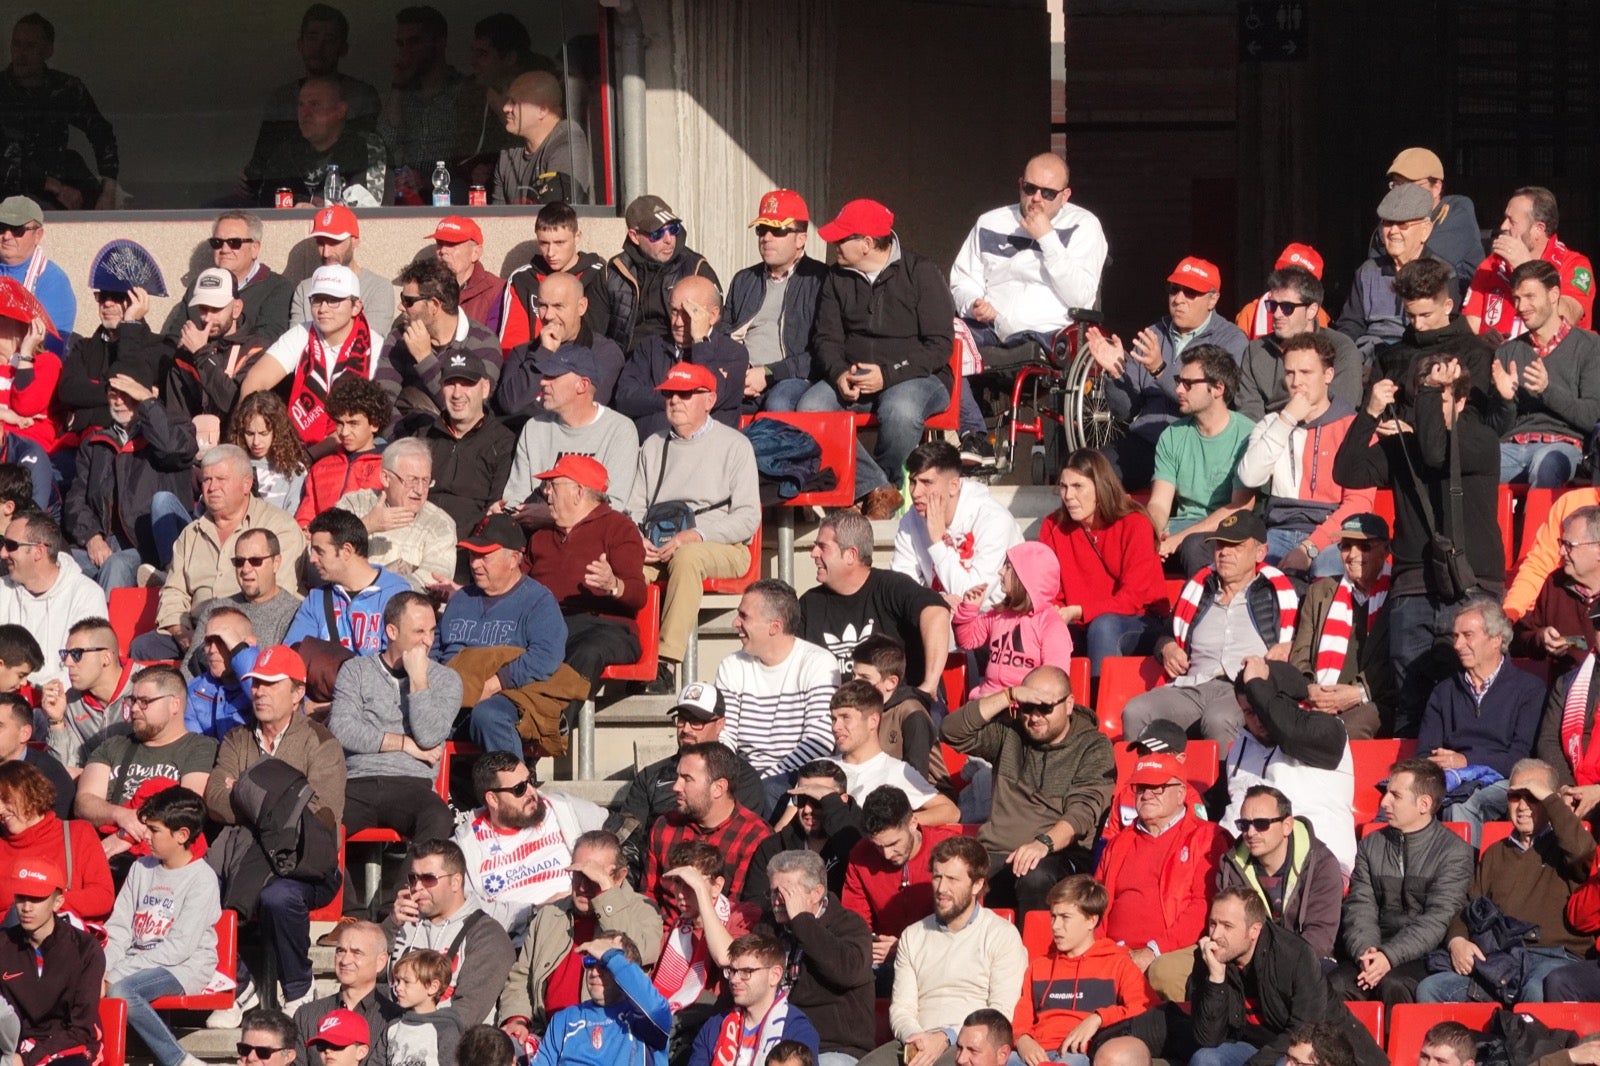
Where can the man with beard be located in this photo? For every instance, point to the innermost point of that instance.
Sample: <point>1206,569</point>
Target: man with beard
<point>433,330</point>
<point>707,811</point>
<point>639,280</point>
<point>337,234</point>
<point>236,247</point>
<point>556,232</point>
<point>215,347</point>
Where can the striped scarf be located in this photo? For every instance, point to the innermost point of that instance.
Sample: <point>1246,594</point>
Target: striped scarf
<point>1188,604</point>
<point>1585,761</point>
<point>1337,627</point>
<point>680,975</point>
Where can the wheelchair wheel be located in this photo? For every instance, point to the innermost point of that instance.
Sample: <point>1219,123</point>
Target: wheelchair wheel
<point>1089,422</point>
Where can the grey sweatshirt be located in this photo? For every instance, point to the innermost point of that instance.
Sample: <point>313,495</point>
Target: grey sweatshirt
<point>85,727</point>
<point>269,619</point>
<point>715,464</point>
<point>423,1039</point>
<point>369,701</point>
<point>610,439</point>
<point>485,956</point>
<point>165,919</point>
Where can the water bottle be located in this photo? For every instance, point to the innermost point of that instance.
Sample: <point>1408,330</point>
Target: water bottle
<point>441,184</point>
<point>333,186</point>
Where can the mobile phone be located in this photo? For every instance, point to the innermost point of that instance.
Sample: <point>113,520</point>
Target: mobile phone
<point>1575,642</point>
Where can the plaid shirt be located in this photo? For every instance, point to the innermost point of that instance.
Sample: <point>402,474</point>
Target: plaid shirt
<point>737,838</point>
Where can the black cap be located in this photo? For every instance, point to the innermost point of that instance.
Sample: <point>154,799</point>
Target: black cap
<point>463,366</point>
<point>569,358</point>
<point>497,531</point>
<point>1238,527</point>
<point>1160,735</point>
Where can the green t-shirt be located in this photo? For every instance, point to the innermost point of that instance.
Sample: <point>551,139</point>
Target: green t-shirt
<point>1202,470</point>
<point>132,763</point>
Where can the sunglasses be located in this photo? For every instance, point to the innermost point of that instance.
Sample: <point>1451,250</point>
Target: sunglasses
<point>77,654</point>
<point>590,962</point>
<point>12,545</point>
<point>1173,289</point>
<point>19,231</point>
<point>260,1052</point>
<point>1260,825</point>
<point>1041,710</point>
<point>425,880</point>
<point>232,242</point>
<point>1283,307</point>
<point>411,301</point>
<point>681,394</point>
<point>1521,794</point>
<point>674,228</point>
<point>776,231</point>
<point>517,790</point>
<point>256,561</point>
<point>1030,189</point>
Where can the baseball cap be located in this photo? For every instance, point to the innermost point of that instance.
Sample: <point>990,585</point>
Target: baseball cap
<point>781,207</point>
<point>1300,255</point>
<point>19,211</point>
<point>1198,274</point>
<point>498,531</point>
<point>336,281</point>
<point>1364,527</point>
<point>453,229</point>
<point>649,213</point>
<point>1414,164</point>
<point>336,222</point>
<point>1159,769</point>
<point>1160,735</point>
<point>570,358</point>
<point>35,878</point>
<point>341,1028</point>
<point>1238,527</point>
<point>279,663</point>
<point>586,470</point>
<point>214,288</point>
<point>463,366</point>
<point>688,377</point>
<point>1403,203</point>
<point>700,702</point>
<point>866,218</point>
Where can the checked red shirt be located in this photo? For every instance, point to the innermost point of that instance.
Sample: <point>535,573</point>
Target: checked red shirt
<point>737,839</point>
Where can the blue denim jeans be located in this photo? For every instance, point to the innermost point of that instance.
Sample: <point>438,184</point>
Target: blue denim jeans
<point>784,395</point>
<point>1281,542</point>
<point>1488,804</point>
<point>139,989</point>
<point>1454,988</point>
<point>903,411</point>
<point>1542,466</point>
<point>1112,635</point>
<point>493,725</point>
<point>1419,648</point>
<point>1233,1053</point>
<point>168,517</point>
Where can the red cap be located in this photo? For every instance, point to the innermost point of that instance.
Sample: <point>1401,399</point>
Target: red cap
<point>1156,770</point>
<point>584,469</point>
<point>278,663</point>
<point>35,878</point>
<point>341,1028</point>
<point>866,218</point>
<point>336,222</point>
<point>688,377</point>
<point>454,229</point>
<point>782,207</point>
<point>1300,255</point>
<point>1197,274</point>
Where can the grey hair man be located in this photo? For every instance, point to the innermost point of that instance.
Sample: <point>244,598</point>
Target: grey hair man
<point>236,247</point>
<point>410,535</point>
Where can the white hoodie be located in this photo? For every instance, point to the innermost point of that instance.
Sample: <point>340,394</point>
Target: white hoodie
<point>71,599</point>
<point>958,563</point>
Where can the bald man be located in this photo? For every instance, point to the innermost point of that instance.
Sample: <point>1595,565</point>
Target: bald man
<point>697,336</point>
<point>561,307</point>
<point>553,163</point>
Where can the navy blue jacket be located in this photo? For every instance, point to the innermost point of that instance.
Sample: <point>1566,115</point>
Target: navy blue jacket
<point>647,366</point>
<point>1495,733</point>
<point>748,291</point>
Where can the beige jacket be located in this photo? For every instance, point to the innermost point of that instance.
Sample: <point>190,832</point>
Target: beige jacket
<point>202,568</point>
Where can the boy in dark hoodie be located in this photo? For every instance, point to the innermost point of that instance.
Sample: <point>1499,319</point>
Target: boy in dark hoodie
<point>55,972</point>
<point>360,410</point>
<point>906,730</point>
<point>426,1034</point>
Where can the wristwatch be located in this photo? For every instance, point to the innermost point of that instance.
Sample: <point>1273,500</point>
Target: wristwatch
<point>1311,550</point>
<point>1044,838</point>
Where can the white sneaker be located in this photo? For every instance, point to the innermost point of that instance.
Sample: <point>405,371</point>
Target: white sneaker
<point>244,999</point>
<point>295,1004</point>
<point>190,1060</point>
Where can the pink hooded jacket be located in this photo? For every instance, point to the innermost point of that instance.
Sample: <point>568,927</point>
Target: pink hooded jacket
<point>1019,642</point>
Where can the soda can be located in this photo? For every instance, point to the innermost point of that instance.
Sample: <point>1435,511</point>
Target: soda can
<point>477,196</point>
<point>284,197</point>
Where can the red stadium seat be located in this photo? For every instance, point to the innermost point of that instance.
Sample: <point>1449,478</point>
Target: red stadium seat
<point>955,681</point>
<point>1581,1018</point>
<point>1175,589</point>
<point>1123,677</point>
<point>947,420</point>
<point>1370,1014</point>
<point>113,1032</point>
<point>1505,511</point>
<point>1078,678</point>
<point>1493,833</point>
<point>227,962</point>
<point>735,586</point>
<point>1383,506</point>
<point>1536,505</point>
<point>1036,937</point>
<point>1408,1022</point>
<point>649,621</point>
<point>1005,912</point>
<point>133,612</point>
<point>334,910</point>
<point>1372,759</point>
<point>835,434</point>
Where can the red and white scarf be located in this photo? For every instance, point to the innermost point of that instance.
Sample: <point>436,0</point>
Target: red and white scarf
<point>1584,759</point>
<point>314,377</point>
<point>1188,604</point>
<point>681,971</point>
<point>730,1036</point>
<point>1340,623</point>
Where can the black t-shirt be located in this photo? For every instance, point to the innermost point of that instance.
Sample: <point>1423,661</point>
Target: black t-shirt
<point>889,604</point>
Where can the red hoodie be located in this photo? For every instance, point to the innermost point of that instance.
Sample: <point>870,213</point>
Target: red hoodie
<point>1060,991</point>
<point>333,476</point>
<point>90,893</point>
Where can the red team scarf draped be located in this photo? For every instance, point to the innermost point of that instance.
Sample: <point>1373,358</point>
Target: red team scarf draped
<point>730,1038</point>
<point>1183,611</point>
<point>1337,627</point>
<point>308,395</point>
<point>1585,760</point>
<point>681,973</point>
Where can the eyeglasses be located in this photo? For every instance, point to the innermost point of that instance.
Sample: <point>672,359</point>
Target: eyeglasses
<point>1260,825</point>
<point>743,973</point>
<point>1157,788</point>
<point>256,561</point>
<point>77,654</point>
<point>410,301</point>
<point>1173,289</point>
<point>232,242</point>
<point>1283,307</point>
<point>413,484</point>
<point>1194,383</point>
<point>12,545</point>
<point>139,703</point>
<point>777,231</point>
<point>425,880</point>
<point>1569,546</point>
<point>19,231</point>
<point>1030,189</point>
<point>517,790</point>
<point>260,1052</point>
<point>673,228</point>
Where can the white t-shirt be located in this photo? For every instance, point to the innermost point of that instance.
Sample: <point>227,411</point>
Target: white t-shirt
<point>885,769</point>
<point>513,872</point>
<point>291,345</point>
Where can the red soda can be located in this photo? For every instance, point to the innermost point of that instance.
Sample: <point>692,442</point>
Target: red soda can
<point>284,197</point>
<point>477,196</point>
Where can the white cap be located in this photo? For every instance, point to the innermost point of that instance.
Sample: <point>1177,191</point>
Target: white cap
<point>336,281</point>
<point>214,288</point>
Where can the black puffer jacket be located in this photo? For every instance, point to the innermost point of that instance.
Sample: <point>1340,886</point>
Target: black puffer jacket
<point>640,291</point>
<point>589,269</point>
<point>117,478</point>
<point>903,322</point>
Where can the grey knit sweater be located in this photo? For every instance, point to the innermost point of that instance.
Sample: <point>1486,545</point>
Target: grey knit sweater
<point>369,701</point>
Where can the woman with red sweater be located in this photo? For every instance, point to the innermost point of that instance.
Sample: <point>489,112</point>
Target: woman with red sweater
<point>1113,593</point>
<point>32,831</point>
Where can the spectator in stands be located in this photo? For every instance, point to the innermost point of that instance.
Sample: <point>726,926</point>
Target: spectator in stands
<point>236,248</point>
<point>1421,609</point>
<point>961,958</point>
<point>708,811</point>
<point>282,733</point>
<point>359,953</point>
<point>956,536</point>
<point>337,234</point>
<point>432,338</point>
<point>772,305</point>
<point>409,535</point>
<point>694,951</point>
<point>20,657</point>
<point>1557,627</point>
<point>324,40</point>
<point>215,348</point>
<point>133,491</point>
<point>350,608</point>
<point>1145,386</point>
<point>1246,958</point>
<point>93,357</point>
<point>418,120</point>
<point>1294,304</point>
<point>1195,486</point>
<point>1255,318</point>
<point>694,337</point>
<point>1546,374</point>
<point>1485,715</point>
<point>1112,593</point>
<point>458,245</point>
<point>712,473</point>
<point>561,319</point>
<point>1530,877</point>
<point>699,717</point>
<point>1288,459</point>
<point>1081,985</point>
<point>853,600</point>
<point>761,1006</point>
<point>1054,772</point>
<point>122,772</point>
<point>323,138</point>
<point>80,712</point>
<point>907,730</point>
<point>256,563</point>
<point>553,162</point>
<point>504,610</point>
<point>557,234</point>
<point>519,844</point>
<point>569,418</point>
<point>1240,608</point>
<point>269,1037</point>
<point>1453,1044</point>
<point>28,384</point>
<point>338,324</point>
<point>43,590</point>
<point>16,745</point>
<point>343,1039</point>
<point>40,106</point>
<point>23,260</point>
<point>822,817</point>
<point>639,281</point>
<point>1455,239</point>
<point>1341,637</point>
<point>471,451</point>
<point>161,938</point>
<point>622,1013</point>
<point>856,710</point>
<point>59,972</point>
<point>360,410</point>
<point>1541,549</point>
<point>34,833</point>
<point>1280,858</point>
<point>219,698</point>
<point>776,689</point>
<point>26,477</point>
<point>1023,630</point>
<point>1372,315</point>
<point>548,972</point>
<point>1304,754</point>
<point>1527,233</point>
<point>1410,881</point>
<point>1433,328</point>
<point>427,1030</point>
<point>501,49</point>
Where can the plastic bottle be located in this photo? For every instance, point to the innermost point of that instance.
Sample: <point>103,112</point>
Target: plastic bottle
<point>441,184</point>
<point>333,186</point>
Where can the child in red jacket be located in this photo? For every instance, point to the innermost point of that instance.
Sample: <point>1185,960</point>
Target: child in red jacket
<point>360,410</point>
